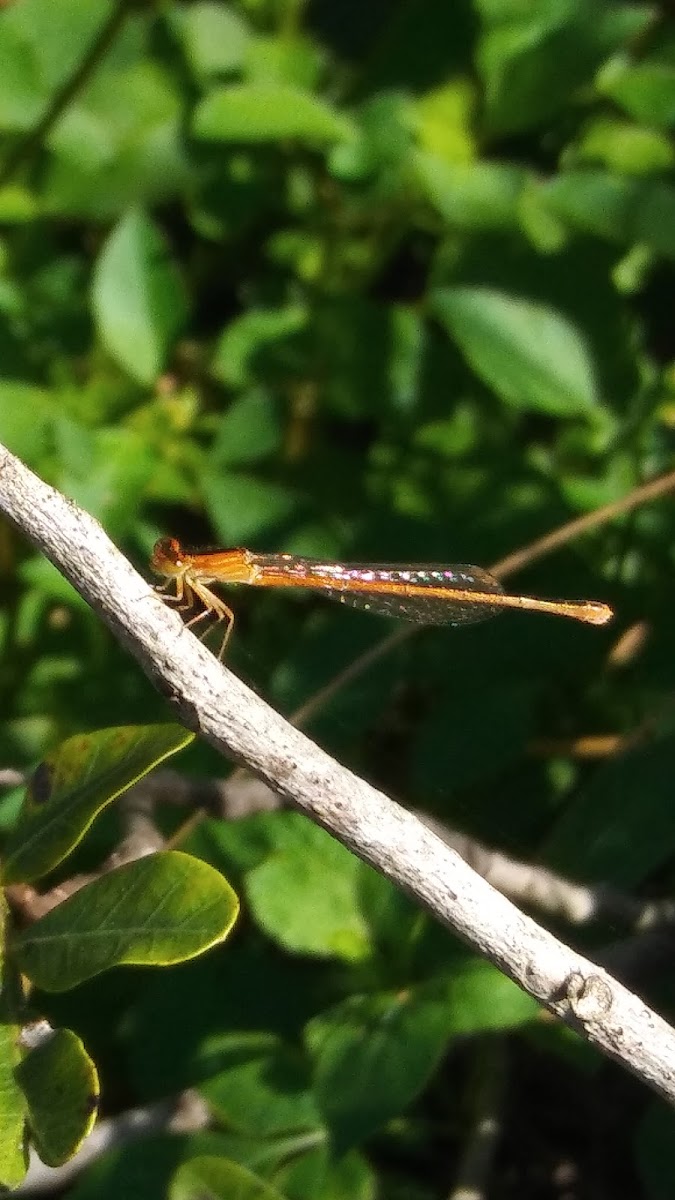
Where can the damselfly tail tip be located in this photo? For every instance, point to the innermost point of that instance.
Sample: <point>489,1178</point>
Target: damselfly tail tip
<point>597,613</point>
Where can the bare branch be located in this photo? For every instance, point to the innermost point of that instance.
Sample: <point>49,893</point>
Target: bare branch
<point>535,886</point>
<point>213,702</point>
<point>185,1113</point>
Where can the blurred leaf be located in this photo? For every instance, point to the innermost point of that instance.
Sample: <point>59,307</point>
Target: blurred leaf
<point>383,142</point>
<point>322,1176</point>
<point>258,1085</point>
<point>138,299</point>
<point>444,119</point>
<point>250,429</point>
<point>624,148</point>
<point>216,38</point>
<point>72,27</point>
<point>243,506</point>
<point>267,112</point>
<point>217,1179</point>
<point>531,355</point>
<point>292,59</point>
<point>118,145</point>
<point>532,58</point>
<point>305,895</point>
<point>618,208</point>
<point>61,1087</point>
<point>234,361</point>
<point>157,910</point>
<point>480,195</point>
<point>110,479</point>
<point>73,785</point>
<point>374,1054</point>
<point>646,90</point>
<point>31,65</point>
<point>25,419</point>
<point>144,1168</point>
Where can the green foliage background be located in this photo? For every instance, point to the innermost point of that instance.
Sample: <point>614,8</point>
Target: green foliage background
<point>386,281</point>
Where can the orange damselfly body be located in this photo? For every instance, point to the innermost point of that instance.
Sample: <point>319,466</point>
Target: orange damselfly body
<point>428,594</point>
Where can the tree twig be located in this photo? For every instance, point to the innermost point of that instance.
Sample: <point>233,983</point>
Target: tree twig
<point>212,701</point>
<point>184,1113</point>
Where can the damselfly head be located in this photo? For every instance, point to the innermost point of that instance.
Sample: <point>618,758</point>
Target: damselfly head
<point>167,557</point>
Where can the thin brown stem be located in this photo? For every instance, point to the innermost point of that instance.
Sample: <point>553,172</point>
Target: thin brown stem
<point>67,92</point>
<point>593,520</point>
<point>506,566</point>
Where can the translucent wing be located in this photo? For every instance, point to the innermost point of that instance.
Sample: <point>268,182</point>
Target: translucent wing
<point>428,594</point>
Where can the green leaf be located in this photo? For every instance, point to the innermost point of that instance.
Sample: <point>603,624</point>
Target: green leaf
<point>306,896</point>
<point>624,147</point>
<point>247,337</point>
<point>13,1154</point>
<point>23,90</point>
<point>13,1149</point>
<point>646,90</point>
<point>139,301</point>
<point>374,1054</point>
<point>242,506</point>
<point>25,418</point>
<point>74,784</point>
<point>322,1176</point>
<point>119,144</point>
<point>256,1084</point>
<point>533,57</point>
<point>210,1178</point>
<point>158,910</point>
<point>617,208</point>
<point>250,429</point>
<point>60,1084</point>
<point>216,38</point>
<point>266,112</point>
<point>481,195</point>
<point>530,354</point>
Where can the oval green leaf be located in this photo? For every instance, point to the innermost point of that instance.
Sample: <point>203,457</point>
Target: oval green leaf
<point>139,300</point>
<point>71,787</point>
<point>528,353</point>
<point>60,1085</point>
<point>306,895</point>
<point>265,112</point>
<point>374,1053</point>
<point>211,1178</point>
<point>156,911</point>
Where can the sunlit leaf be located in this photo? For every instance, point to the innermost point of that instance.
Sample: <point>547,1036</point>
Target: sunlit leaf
<point>266,112</point>
<point>306,895</point>
<point>73,785</point>
<point>158,910</point>
<point>60,1084</point>
<point>531,355</point>
<point>138,298</point>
